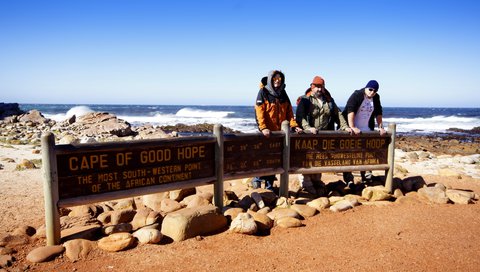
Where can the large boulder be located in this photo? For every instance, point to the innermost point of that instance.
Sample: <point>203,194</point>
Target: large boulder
<point>190,222</point>
<point>98,123</point>
<point>9,109</point>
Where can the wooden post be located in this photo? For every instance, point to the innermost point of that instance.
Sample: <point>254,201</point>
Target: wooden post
<point>286,160</point>
<point>218,186</point>
<point>50,189</point>
<point>391,158</point>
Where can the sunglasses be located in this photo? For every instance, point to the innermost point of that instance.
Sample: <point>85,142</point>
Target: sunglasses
<point>372,90</point>
<point>318,85</point>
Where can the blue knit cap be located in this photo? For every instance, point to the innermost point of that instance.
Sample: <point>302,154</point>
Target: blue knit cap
<point>372,84</point>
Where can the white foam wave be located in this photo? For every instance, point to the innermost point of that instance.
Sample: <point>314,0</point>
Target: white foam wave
<point>433,124</point>
<point>189,112</point>
<point>77,111</point>
<point>241,124</point>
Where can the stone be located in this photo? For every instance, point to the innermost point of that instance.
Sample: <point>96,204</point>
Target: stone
<point>101,123</point>
<point>341,206</point>
<point>376,193</point>
<point>148,236</point>
<point>196,201</point>
<point>78,249</point>
<point>6,260</point>
<point>180,194</point>
<point>153,201</point>
<point>24,230</point>
<point>397,193</point>
<point>433,194</point>
<point>319,203</point>
<point>13,240</point>
<point>278,213</point>
<point>24,165</point>
<point>447,172</point>
<point>145,217</point>
<point>105,217</point>
<point>460,197</point>
<point>89,232</point>
<point>122,216</point>
<point>231,213</point>
<point>190,222</point>
<point>45,253</point>
<point>304,210</point>
<point>264,223</point>
<point>68,139</point>
<point>289,222</point>
<point>169,205</point>
<point>125,204</point>
<point>33,116</point>
<point>92,210</point>
<point>243,224</point>
<point>122,227</point>
<point>116,242</point>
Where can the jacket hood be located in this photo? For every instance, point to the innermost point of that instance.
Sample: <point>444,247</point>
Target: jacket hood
<point>269,86</point>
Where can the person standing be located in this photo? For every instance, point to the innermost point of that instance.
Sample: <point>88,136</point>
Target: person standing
<point>317,111</point>
<point>362,109</point>
<point>271,109</point>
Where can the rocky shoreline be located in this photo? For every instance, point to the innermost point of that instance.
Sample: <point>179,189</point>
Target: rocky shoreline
<point>91,232</point>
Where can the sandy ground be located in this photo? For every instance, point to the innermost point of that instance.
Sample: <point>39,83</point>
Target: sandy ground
<point>408,236</point>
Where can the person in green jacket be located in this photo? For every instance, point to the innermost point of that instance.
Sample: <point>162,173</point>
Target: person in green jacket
<point>317,111</point>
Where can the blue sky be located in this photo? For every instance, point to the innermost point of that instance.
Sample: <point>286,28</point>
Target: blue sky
<point>423,53</point>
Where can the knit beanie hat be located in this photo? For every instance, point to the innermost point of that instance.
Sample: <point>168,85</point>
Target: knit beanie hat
<point>372,84</point>
<point>318,80</point>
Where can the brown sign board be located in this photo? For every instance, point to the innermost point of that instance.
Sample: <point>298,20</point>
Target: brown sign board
<point>335,149</point>
<point>252,152</point>
<point>89,169</point>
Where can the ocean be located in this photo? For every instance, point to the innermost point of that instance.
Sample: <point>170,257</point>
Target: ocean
<point>242,118</point>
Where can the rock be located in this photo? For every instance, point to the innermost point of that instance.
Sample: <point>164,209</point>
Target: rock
<point>6,260</point>
<point>148,236</point>
<point>319,203</point>
<point>98,123</point>
<point>278,213</point>
<point>341,206</point>
<point>122,216</point>
<point>91,210</point>
<point>145,217</point>
<point>264,223</point>
<point>412,184</point>
<point>195,201</point>
<point>304,210</point>
<point>153,201</point>
<point>24,230</point>
<point>68,139</point>
<point>190,222</point>
<point>433,194</point>
<point>397,193</point>
<point>85,220</point>
<point>116,242</point>
<point>126,204</point>
<point>122,227</point>
<point>24,165</point>
<point>89,232</point>
<point>44,253</point>
<point>9,109</point>
<point>170,205</point>
<point>180,194</point>
<point>231,213</point>
<point>247,203</point>
<point>289,222</point>
<point>105,217</point>
<point>335,199</point>
<point>13,240</point>
<point>376,193</point>
<point>243,224</point>
<point>33,116</point>
<point>78,249</point>
<point>460,197</point>
<point>447,172</point>
<point>7,251</point>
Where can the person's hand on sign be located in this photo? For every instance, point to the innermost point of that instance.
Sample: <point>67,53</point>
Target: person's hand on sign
<point>266,132</point>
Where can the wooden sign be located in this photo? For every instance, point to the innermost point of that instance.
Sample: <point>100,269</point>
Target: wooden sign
<point>252,152</point>
<point>337,150</point>
<point>101,168</point>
